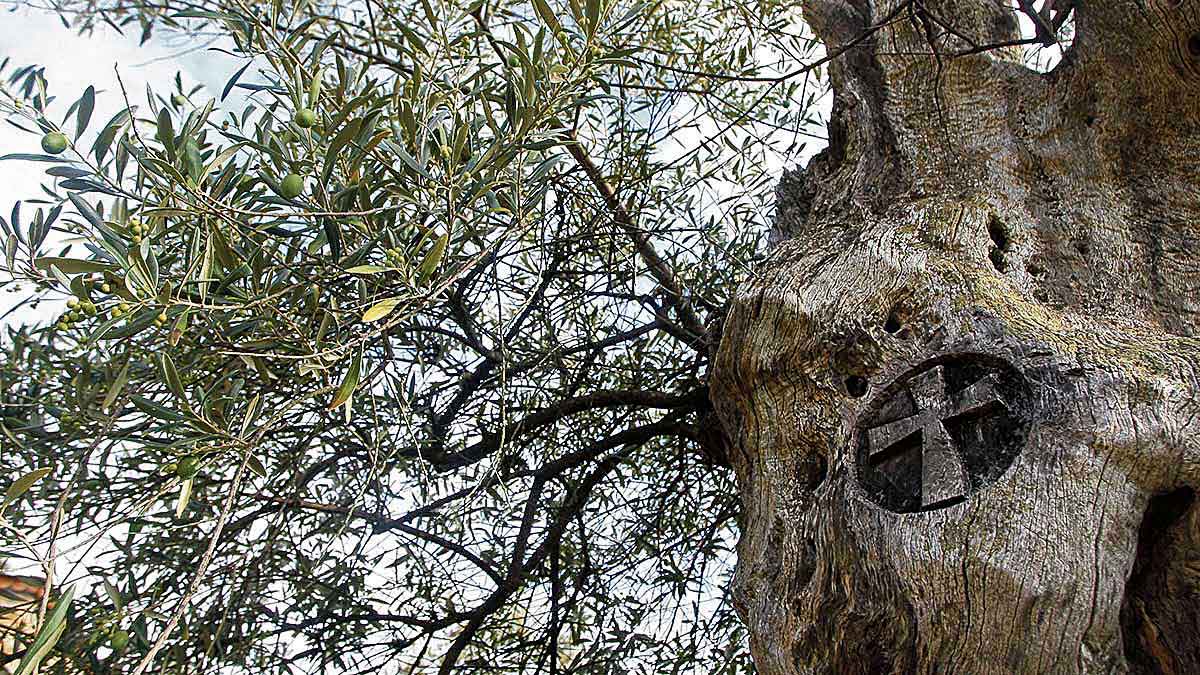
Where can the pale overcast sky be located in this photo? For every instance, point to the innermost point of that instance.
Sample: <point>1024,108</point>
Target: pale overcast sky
<point>73,62</point>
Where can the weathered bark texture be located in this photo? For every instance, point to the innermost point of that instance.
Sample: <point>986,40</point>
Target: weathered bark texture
<point>962,395</point>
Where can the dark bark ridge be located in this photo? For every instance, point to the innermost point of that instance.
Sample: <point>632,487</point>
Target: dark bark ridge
<point>970,208</point>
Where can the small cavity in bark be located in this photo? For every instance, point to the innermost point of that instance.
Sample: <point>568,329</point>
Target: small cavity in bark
<point>811,472</point>
<point>856,386</point>
<point>1000,243</point>
<point>1193,45</point>
<point>892,324</point>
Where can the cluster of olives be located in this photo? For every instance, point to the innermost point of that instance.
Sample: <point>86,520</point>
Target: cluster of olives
<point>69,423</point>
<point>125,309</point>
<point>394,256</point>
<point>76,310</point>
<point>137,230</point>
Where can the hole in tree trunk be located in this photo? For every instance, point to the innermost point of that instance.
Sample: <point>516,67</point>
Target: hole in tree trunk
<point>892,324</point>
<point>1159,612</point>
<point>856,386</point>
<point>1193,45</point>
<point>1000,243</point>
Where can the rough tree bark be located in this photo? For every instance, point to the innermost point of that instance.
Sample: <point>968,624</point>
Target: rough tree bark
<point>962,395</point>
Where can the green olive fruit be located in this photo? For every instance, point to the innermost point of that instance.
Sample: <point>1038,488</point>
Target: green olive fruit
<point>187,468</point>
<point>72,302</point>
<point>105,288</point>
<point>305,118</point>
<point>54,142</point>
<point>178,100</point>
<point>291,187</point>
<point>118,640</point>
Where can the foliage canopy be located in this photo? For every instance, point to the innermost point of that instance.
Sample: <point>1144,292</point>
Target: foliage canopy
<point>401,365</point>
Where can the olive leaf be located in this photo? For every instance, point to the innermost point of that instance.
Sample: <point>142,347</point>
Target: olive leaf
<point>349,383</point>
<point>53,629</point>
<point>22,484</point>
<point>380,310</point>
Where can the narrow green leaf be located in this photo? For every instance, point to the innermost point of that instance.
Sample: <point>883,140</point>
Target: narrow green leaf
<point>367,269</point>
<point>185,495</point>
<point>255,464</point>
<point>48,636</point>
<point>547,15</point>
<point>113,594</point>
<point>166,133</point>
<point>349,383</point>
<point>155,410</point>
<point>27,157</point>
<point>380,310</point>
<point>233,80</point>
<point>342,138</point>
<point>73,265</point>
<point>115,390</point>
<point>192,163</point>
<point>333,235</point>
<point>433,258</point>
<point>86,210</point>
<point>593,16</point>
<point>83,115</point>
<point>171,376</point>
<point>22,484</point>
<point>250,416</point>
<point>109,133</point>
<point>314,88</point>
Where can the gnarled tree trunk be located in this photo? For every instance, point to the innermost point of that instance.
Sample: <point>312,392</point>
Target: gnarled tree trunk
<point>962,395</point>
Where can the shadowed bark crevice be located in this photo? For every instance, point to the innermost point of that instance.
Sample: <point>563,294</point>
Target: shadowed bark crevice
<point>1160,613</point>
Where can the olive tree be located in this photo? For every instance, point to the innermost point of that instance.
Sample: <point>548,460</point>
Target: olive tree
<point>453,350</point>
<point>961,394</point>
<point>402,362</point>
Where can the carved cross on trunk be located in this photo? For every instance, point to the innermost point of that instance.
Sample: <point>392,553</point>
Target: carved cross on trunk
<point>943,475</point>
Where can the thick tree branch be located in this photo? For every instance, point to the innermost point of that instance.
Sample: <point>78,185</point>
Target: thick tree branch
<point>661,270</point>
<point>492,442</point>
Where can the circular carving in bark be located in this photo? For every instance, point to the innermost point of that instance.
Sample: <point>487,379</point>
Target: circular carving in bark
<point>944,430</point>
